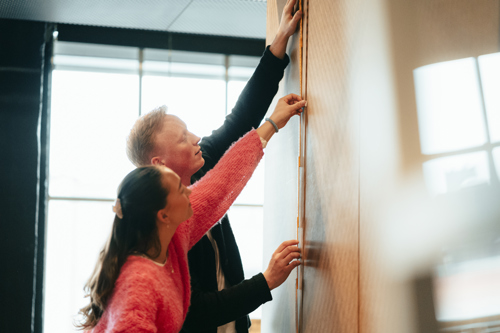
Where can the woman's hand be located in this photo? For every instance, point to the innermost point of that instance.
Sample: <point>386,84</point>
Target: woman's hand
<point>287,107</point>
<point>282,263</point>
<point>287,28</point>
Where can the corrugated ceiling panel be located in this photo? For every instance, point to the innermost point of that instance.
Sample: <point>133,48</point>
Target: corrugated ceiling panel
<point>224,17</point>
<point>237,18</point>
<point>142,14</point>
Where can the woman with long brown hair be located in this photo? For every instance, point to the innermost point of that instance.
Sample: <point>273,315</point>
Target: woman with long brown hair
<point>141,280</point>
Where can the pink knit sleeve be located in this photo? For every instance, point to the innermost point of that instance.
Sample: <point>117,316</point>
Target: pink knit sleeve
<point>213,194</point>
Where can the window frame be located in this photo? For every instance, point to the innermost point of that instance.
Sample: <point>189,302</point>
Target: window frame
<point>132,54</point>
<point>488,147</point>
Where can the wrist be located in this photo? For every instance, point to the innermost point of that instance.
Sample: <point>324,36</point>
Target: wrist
<point>281,37</point>
<point>273,123</point>
<point>270,284</point>
<point>278,46</point>
<point>266,131</point>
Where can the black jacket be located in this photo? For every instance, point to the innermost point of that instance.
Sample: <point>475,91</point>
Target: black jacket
<point>209,307</point>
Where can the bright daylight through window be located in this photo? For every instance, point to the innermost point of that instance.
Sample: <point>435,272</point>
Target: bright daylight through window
<point>459,122</point>
<point>97,94</point>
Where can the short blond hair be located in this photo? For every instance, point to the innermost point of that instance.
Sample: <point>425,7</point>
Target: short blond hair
<point>141,140</point>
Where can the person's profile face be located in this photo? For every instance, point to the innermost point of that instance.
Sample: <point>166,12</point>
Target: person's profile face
<point>178,207</point>
<point>178,148</point>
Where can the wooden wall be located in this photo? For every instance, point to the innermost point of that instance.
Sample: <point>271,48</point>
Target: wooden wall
<point>281,196</point>
<point>371,228</point>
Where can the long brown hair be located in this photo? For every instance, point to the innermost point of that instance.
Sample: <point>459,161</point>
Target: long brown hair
<point>141,195</point>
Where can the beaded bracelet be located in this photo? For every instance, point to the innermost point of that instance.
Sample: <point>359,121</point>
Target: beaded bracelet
<point>273,123</point>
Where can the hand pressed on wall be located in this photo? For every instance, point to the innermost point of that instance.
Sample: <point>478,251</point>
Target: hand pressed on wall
<point>287,28</point>
<point>289,19</point>
<point>282,263</point>
<point>287,107</point>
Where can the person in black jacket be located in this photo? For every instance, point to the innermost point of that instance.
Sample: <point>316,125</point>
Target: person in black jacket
<point>221,298</point>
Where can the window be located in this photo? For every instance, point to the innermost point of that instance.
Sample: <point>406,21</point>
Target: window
<point>468,290</point>
<point>97,94</point>
<point>459,122</point>
<point>459,115</point>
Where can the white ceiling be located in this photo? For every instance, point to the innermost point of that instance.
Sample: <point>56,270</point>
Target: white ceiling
<point>235,18</point>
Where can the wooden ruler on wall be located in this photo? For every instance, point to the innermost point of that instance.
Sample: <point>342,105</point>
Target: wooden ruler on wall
<point>303,6</point>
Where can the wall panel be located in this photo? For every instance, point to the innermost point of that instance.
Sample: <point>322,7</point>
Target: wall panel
<point>372,229</point>
<point>330,300</point>
<point>331,222</point>
<point>281,196</point>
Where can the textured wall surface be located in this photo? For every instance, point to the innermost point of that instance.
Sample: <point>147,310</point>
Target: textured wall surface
<point>371,227</point>
<point>330,300</point>
<point>281,196</point>
<point>330,245</point>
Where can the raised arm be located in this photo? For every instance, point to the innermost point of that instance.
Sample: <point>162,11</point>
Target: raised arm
<point>258,93</point>
<point>212,196</point>
<point>249,110</point>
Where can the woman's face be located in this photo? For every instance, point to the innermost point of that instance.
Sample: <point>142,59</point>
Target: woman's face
<point>178,208</point>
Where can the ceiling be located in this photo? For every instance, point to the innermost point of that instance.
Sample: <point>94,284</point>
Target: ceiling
<point>235,18</point>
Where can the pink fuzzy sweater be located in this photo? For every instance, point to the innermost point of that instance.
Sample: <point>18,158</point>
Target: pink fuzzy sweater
<point>152,298</point>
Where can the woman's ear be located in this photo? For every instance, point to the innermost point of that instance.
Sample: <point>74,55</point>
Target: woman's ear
<point>162,216</point>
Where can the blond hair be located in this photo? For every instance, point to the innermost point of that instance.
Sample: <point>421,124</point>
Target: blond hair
<point>141,140</point>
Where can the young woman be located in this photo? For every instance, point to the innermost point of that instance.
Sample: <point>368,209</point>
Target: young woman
<point>141,281</point>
